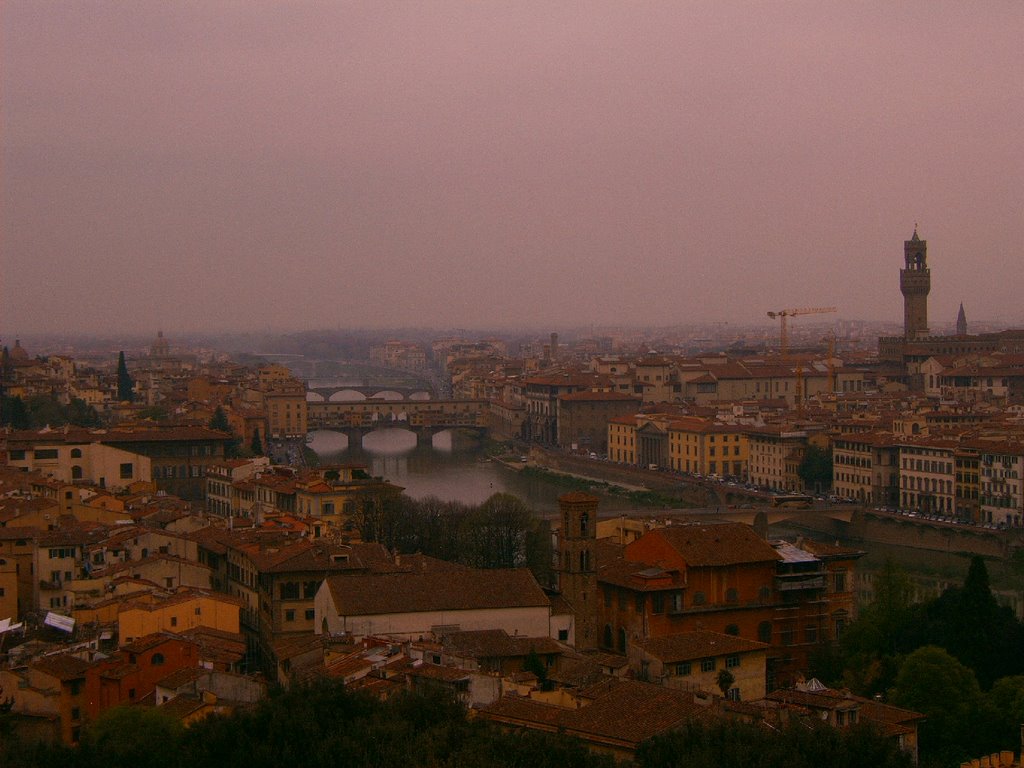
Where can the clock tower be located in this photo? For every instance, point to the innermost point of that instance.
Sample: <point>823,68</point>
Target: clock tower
<point>915,284</point>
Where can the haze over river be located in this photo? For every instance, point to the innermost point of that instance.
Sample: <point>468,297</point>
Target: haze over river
<point>449,472</point>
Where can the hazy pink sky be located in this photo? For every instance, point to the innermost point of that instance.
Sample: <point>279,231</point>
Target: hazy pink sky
<point>214,165</point>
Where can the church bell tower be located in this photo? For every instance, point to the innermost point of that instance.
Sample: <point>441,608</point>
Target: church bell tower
<point>577,571</point>
<point>915,284</point>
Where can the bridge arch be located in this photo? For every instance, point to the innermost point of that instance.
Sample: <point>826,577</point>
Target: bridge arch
<point>314,397</point>
<point>423,395</point>
<point>387,395</point>
<point>347,396</point>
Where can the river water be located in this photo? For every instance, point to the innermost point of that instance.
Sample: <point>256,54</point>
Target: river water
<point>449,470</point>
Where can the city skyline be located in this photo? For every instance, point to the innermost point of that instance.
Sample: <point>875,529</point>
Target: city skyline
<point>230,167</point>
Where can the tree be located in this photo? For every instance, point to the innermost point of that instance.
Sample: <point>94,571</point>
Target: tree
<point>125,385</point>
<point>533,663</point>
<point>81,414</point>
<point>969,623</point>
<point>219,420</point>
<point>871,648</point>
<point>131,737</point>
<point>14,414</point>
<point>1006,700</point>
<point>797,744</point>
<point>946,692</point>
<point>815,468</point>
<point>725,680</point>
<point>256,446</point>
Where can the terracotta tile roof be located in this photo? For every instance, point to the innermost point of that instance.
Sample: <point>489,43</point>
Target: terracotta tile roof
<point>181,677</point>
<point>496,643</point>
<point>717,544</point>
<point>147,642</point>
<point>699,644</point>
<point>360,595</point>
<point>622,713</point>
<point>182,706</point>
<point>62,666</point>
<point>639,577</point>
<point>18,533</point>
<point>435,672</point>
<point>598,397</point>
<point>135,435</point>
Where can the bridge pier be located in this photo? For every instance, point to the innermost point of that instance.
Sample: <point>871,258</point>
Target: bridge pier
<point>355,437</point>
<point>425,437</point>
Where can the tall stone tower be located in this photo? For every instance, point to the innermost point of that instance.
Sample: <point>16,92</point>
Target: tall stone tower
<point>577,571</point>
<point>915,283</point>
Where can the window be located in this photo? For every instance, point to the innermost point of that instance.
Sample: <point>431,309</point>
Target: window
<point>157,660</point>
<point>309,589</point>
<point>126,471</point>
<point>76,453</point>
<point>289,590</point>
<point>174,621</point>
<point>607,638</point>
<point>707,665</point>
<point>840,717</point>
<point>732,661</point>
<point>289,615</point>
<point>76,474</point>
<point>46,453</point>
<point>17,455</point>
<point>676,604</point>
<point>733,694</point>
<point>657,603</point>
<point>764,631</point>
<point>698,598</point>
<point>563,635</point>
<point>732,629</point>
<point>811,633</point>
<point>310,613</point>
<point>840,577</point>
<point>683,669</point>
<point>640,603</point>
<point>732,595</point>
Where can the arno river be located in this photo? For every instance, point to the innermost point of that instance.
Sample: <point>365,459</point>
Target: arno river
<point>463,473</point>
<point>450,473</point>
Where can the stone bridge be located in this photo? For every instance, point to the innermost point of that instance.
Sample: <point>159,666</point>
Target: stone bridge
<point>425,418</point>
<point>380,392</point>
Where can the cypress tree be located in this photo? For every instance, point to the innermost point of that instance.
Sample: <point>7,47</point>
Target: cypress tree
<point>125,385</point>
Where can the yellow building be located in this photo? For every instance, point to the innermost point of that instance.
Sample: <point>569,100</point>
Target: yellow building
<point>287,414</point>
<point>706,447</point>
<point>622,439</point>
<point>695,661</point>
<point>186,609</point>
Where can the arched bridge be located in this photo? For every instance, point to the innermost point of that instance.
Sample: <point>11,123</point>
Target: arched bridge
<point>386,393</point>
<point>423,417</point>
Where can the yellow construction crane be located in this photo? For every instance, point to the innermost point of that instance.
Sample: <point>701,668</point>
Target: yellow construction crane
<point>787,313</point>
